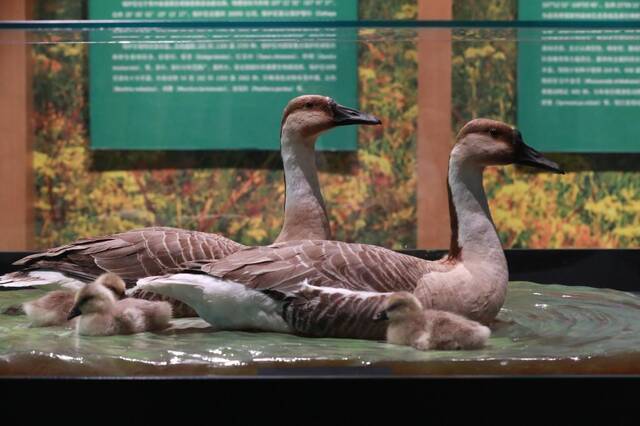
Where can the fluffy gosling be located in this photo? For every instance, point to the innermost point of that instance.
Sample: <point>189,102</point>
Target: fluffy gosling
<point>54,307</point>
<point>102,315</point>
<point>411,325</point>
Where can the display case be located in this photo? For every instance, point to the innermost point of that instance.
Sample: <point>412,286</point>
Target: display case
<point>118,115</point>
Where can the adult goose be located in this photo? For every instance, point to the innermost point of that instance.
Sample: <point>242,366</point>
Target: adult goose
<point>161,250</point>
<point>330,288</point>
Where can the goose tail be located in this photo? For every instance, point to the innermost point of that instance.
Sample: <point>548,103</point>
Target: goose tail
<point>180,290</point>
<point>49,280</point>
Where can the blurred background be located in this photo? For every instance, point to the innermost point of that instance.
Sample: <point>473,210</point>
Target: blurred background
<point>388,189</point>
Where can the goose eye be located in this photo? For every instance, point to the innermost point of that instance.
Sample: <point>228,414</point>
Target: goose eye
<point>493,133</point>
<point>395,306</point>
<point>308,105</point>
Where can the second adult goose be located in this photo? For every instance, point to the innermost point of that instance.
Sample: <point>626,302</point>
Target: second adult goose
<point>330,288</point>
<point>161,250</point>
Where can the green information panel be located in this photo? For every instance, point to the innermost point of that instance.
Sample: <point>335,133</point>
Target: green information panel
<point>210,89</point>
<point>579,91</point>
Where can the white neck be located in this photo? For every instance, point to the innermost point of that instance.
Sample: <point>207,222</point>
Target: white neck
<point>477,235</point>
<point>305,215</point>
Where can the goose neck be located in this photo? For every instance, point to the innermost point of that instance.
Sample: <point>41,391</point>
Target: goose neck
<point>305,215</point>
<point>474,236</point>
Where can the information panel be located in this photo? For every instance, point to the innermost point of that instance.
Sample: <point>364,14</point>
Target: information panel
<point>207,89</point>
<point>578,90</point>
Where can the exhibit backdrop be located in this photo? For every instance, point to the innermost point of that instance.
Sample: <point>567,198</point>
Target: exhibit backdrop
<point>220,89</point>
<point>584,86</point>
<point>371,196</point>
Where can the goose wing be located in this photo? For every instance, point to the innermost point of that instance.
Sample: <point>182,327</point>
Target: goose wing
<point>133,254</point>
<point>357,267</point>
<point>330,312</point>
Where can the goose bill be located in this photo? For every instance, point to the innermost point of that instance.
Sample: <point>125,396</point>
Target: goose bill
<point>528,156</point>
<point>344,116</point>
<point>74,313</point>
<point>380,316</point>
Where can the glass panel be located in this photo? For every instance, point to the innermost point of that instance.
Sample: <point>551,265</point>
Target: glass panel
<point>89,179</point>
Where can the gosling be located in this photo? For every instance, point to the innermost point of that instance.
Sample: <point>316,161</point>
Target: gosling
<point>102,315</point>
<point>411,325</point>
<point>54,307</point>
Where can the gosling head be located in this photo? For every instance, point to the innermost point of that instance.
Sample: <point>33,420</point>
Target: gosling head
<point>398,307</point>
<point>114,283</point>
<point>94,298</point>
<point>490,142</point>
<point>310,115</point>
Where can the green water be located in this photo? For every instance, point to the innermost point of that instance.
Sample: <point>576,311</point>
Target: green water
<point>541,329</point>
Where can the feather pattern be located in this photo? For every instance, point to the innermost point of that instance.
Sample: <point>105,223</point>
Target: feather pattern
<point>322,283</point>
<point>329,288</point>
<point>329,312</point>
<point>134,254</point>
<point>356,267</point>
<point>160,251</point>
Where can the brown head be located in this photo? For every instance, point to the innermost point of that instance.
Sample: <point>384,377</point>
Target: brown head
<point>489,142</point>
<point>310,115</point>
<point>99,296</point>
<point>93,298</point>
<point>398,307</point>
<point>114,283</point>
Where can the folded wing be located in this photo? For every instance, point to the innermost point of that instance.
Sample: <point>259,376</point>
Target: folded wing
<point>132,255</point>
<point>357,267</point>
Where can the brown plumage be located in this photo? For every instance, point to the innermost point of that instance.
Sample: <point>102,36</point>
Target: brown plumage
<point>50,309</point>
<point>54,307</point>
<point>325,312</point>
<point>101,314</point>
<point>411,325</point>
<point>330,288</point>
<point>132,254</point>
<point>161,250</point>
<point>326,287</point>
<point>357,267</point>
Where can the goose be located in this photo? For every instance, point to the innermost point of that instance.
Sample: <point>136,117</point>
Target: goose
<point>331,289</point>
<point>101,314</point>
<point>160,250</point>
<point>411,325</point>
<point>54,307</point>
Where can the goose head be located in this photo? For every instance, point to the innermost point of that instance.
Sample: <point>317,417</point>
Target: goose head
<point>398,307</point>
<point>114,283</point>
<point>93,298</point>
<point>488,142</point>
<point>310,115</point>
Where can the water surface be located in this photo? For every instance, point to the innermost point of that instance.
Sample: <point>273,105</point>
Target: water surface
<point>542,329</point>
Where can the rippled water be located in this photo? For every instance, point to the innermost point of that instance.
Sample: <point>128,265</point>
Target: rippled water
<point>541,329</point>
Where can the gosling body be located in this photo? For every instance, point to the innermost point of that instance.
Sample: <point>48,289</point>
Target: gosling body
<point>411,325</point>
<point>53,308</point>
<point>101,314</point>
<point>129,316</point>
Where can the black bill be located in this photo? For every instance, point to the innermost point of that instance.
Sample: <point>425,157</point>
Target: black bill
<point>380,316</point>
<point>528,156</point>
<point>344,116</point>
<point>74,313</point>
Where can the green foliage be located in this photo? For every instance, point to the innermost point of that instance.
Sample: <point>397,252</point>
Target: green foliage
<point>388,9</point>
<point>537,210</point>
<point>479,10</point>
